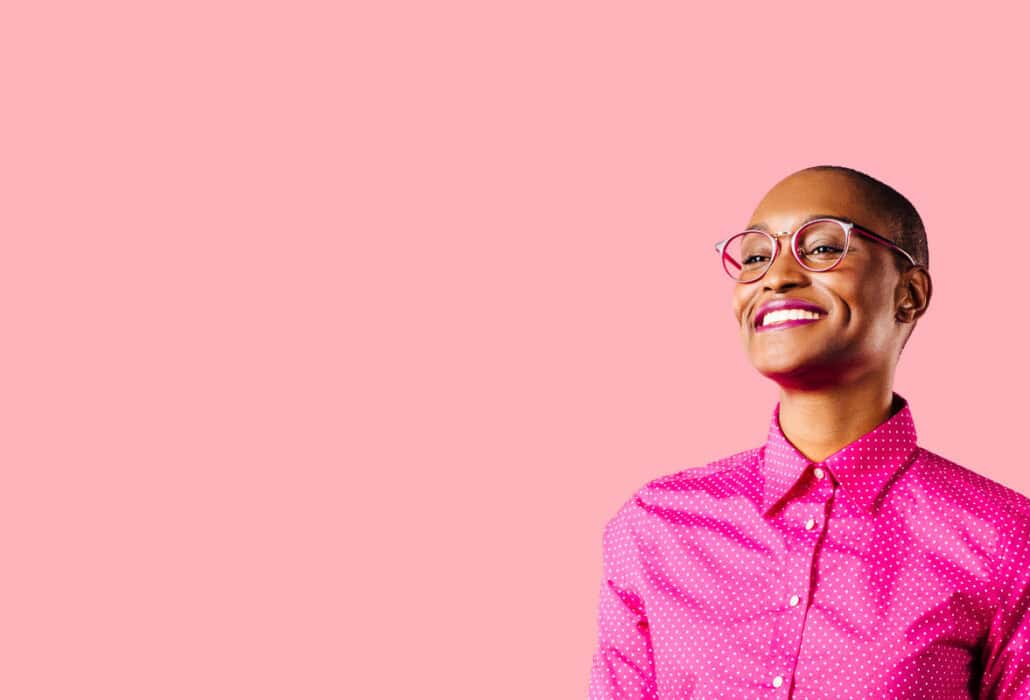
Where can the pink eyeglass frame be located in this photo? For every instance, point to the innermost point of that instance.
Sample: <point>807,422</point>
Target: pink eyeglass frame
<point>848,227</point>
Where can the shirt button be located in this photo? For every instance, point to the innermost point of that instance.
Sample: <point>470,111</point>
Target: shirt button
<point>794,600</point>
<point>810,523</point>
<point>819,473</point>
<point>778,681</point>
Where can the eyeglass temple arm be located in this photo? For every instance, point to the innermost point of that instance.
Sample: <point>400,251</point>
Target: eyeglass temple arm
<point>719,246</point>
<point>887,242</point>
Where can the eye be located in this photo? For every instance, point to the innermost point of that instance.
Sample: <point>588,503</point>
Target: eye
<point>821,242</point>
<point>822,250</point>
<point>755,259</point>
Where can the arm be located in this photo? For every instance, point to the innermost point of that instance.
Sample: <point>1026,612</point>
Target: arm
<point>623,661</point>
<point>1007,652</point>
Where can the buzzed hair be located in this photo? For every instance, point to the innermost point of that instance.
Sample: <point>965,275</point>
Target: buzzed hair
<point>908,232</point>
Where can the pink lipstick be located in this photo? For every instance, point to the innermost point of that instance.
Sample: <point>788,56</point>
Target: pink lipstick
<point>787,313</point>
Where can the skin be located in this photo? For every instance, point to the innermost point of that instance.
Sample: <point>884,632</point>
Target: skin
<point>836,375</point>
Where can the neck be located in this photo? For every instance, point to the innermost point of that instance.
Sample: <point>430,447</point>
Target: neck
<point>822,421</point>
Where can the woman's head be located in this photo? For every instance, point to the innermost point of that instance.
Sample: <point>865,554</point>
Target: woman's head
<point>867,305</point>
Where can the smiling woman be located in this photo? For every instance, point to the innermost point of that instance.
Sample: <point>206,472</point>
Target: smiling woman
<point>840,558</point>
<point>869,304</point>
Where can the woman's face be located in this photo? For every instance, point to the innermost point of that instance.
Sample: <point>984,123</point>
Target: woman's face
<point>859,333</point>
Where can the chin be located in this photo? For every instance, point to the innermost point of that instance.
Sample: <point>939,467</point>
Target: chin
<point>799,371</point>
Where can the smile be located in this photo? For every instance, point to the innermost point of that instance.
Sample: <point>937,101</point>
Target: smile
<point>787,318</point>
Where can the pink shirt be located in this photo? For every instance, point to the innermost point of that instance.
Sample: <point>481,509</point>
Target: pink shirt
<point>884,571</point>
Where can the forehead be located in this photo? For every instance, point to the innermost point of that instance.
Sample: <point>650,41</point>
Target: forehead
<point>803,195</point>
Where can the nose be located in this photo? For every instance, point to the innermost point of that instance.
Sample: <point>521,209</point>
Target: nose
<point>785,272</point>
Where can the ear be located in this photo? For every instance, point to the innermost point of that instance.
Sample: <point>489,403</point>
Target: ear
<point>912,295</point>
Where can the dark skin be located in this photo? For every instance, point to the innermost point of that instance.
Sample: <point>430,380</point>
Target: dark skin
<point>836,375</point>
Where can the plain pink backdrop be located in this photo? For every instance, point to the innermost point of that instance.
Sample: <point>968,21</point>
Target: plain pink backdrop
<point>333,336</point>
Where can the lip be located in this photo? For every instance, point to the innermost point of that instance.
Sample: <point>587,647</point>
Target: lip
<point>780,304</point>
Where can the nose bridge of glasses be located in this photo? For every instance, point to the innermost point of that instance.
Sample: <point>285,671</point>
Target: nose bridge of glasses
<point>783,255</point>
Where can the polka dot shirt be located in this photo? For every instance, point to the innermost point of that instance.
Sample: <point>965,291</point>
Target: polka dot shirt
<point>884,571</point>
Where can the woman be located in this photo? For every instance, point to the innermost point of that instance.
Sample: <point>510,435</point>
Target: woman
<point>839,559</point>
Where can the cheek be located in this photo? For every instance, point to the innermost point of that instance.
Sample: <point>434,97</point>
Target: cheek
<point>870,303</point>
<point>739,303</point>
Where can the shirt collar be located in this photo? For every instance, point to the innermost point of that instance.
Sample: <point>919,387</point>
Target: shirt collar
<point>862,468</point>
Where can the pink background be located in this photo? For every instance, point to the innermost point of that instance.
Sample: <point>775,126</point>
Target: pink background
<point>332,337</point>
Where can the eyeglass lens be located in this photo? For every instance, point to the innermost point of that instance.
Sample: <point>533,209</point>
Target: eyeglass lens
<point>819,246</point>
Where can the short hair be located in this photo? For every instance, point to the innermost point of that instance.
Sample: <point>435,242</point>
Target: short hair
<point>908,231</point>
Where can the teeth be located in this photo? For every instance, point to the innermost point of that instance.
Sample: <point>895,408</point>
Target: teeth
<point>787,315</point>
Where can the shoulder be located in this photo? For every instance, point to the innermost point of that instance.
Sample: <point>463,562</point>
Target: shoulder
<point>971,490</point>
<point>990,515</point>
<point>638,526</point>
<point>686,489</point>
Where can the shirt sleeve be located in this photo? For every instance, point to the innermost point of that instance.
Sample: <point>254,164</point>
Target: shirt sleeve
<point>623,661</point>
<point>1007,665</point>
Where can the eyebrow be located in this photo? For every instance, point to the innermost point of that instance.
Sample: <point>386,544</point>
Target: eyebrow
<point>762,227</point>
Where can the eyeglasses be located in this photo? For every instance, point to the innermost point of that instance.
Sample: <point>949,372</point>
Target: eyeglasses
<point>818,245</point>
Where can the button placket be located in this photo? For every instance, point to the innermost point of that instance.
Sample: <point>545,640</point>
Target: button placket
<point>802,555</point>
